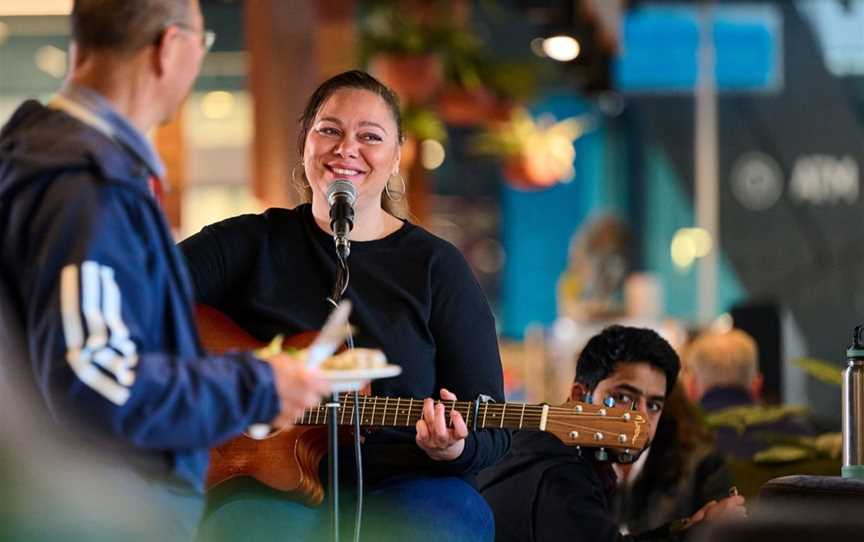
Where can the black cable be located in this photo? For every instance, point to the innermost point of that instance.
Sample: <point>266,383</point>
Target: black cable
<point>343,276</point>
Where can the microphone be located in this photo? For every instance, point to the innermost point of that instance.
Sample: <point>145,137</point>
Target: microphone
<point>341,195</point>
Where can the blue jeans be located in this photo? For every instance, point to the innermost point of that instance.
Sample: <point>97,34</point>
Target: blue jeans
<point>408,508</point>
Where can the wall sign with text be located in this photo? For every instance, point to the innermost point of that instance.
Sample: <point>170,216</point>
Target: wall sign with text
<point>758,183</point>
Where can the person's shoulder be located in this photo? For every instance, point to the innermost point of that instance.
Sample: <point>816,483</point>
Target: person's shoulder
<point>281,216</point>
<point>25,115</point>
<point>42,144</point>
<point>538,448</point>
<point>273,218</point>
<point>246,230</point>
<point>444,255</point>
<point>251,229</point>
<point>573,484</point>
<point>531,454</point>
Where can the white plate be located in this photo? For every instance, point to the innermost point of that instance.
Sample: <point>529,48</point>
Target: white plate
<point>355,379</point>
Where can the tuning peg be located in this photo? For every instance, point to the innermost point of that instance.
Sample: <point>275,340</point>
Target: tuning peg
<point>601,455</point>
<point>579,450</point>
<point>634,406</point>
<point>609,401</point>
<point>626,457</point>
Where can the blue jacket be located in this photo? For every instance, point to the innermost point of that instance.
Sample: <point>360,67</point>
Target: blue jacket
<point>103,297</point>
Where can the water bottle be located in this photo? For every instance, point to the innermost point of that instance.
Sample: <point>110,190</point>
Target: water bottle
<point>853,408</point>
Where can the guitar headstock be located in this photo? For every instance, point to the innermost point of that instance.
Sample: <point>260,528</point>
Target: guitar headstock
<point>597,426</point>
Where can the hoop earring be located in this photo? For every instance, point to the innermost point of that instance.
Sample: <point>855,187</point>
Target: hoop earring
<point>401,195</point>
<point>294,174</point>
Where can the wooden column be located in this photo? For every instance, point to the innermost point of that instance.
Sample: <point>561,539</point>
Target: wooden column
<point>292,47</point>
<point>170,145</point>
<point>418,192</point>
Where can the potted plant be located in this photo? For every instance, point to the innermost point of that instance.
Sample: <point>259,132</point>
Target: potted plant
<point>535,153</point>
<point>402,46</point>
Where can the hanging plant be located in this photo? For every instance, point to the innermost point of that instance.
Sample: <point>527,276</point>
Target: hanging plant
<point>427,51</point>
<point>404,46</point>
<point>535,154</point>
<point>479,86</point>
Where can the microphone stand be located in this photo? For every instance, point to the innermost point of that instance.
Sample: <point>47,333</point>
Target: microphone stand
<point>332,463</point>
<point>332,406</point>
<point>341,195</point>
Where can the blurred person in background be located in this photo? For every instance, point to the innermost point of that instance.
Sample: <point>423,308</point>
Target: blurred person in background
<point>590,287</point>
<point>677,475</point>
<point>544,490</point>
<point>414,297</point>
<point>95,284</point>
<point>723,377</point>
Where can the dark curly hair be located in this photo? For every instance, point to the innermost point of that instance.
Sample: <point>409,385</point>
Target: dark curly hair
<point>622,344</point>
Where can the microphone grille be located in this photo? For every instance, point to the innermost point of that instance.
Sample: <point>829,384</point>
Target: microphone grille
<point>341,186</point>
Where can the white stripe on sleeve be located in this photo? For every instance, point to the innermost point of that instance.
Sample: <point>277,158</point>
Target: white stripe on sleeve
<point>121,364</point>
<point>84,351</point>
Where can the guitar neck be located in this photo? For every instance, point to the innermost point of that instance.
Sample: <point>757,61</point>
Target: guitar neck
<point>573,423</point>
<point>401,412</point>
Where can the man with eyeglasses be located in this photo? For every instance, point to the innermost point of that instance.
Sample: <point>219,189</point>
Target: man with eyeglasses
<point>95,283</point>
<point>545,491</point>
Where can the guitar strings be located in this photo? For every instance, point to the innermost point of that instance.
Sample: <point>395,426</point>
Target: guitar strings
<point>518,415</point>
<point>494,412</point>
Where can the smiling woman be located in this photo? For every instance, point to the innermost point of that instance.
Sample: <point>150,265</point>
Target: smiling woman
<point>354,108</point>
<point>414,298</point>
<point>354,137</point>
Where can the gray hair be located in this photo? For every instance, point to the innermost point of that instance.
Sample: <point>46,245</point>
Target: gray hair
<point>728,359</point>
<point>123,26</point>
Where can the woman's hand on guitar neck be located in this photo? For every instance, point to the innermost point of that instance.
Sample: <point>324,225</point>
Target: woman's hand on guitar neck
<point>297,386</point>
<point>440,442</point>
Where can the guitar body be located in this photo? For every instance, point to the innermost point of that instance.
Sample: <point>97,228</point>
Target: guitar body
<point>286,460</point>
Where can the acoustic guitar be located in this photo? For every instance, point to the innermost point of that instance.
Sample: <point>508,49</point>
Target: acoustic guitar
<point>288,459</point>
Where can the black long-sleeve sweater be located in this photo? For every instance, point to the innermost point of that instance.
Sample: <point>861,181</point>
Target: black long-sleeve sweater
<point>414,297</point>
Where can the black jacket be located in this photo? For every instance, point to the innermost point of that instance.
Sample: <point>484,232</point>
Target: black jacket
<point>545,491</point>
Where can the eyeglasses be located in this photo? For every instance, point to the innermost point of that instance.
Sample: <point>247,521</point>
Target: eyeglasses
<point>208,37</point>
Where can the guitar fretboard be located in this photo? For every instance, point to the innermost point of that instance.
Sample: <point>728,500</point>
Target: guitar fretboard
<point>402,412</point>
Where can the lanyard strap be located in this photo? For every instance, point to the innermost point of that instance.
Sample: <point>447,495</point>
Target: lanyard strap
<point>76,110</point>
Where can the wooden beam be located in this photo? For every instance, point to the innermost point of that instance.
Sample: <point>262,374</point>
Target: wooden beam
<point>292,47</point>
<point>171,146</point>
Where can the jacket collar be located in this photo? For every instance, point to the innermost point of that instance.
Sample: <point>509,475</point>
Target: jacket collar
<point>96,111</point>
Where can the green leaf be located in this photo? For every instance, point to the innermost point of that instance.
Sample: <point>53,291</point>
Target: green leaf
<point>740,418</point>
<point>824,371</point>
<point>782,454</point>
<point>422,123</point>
